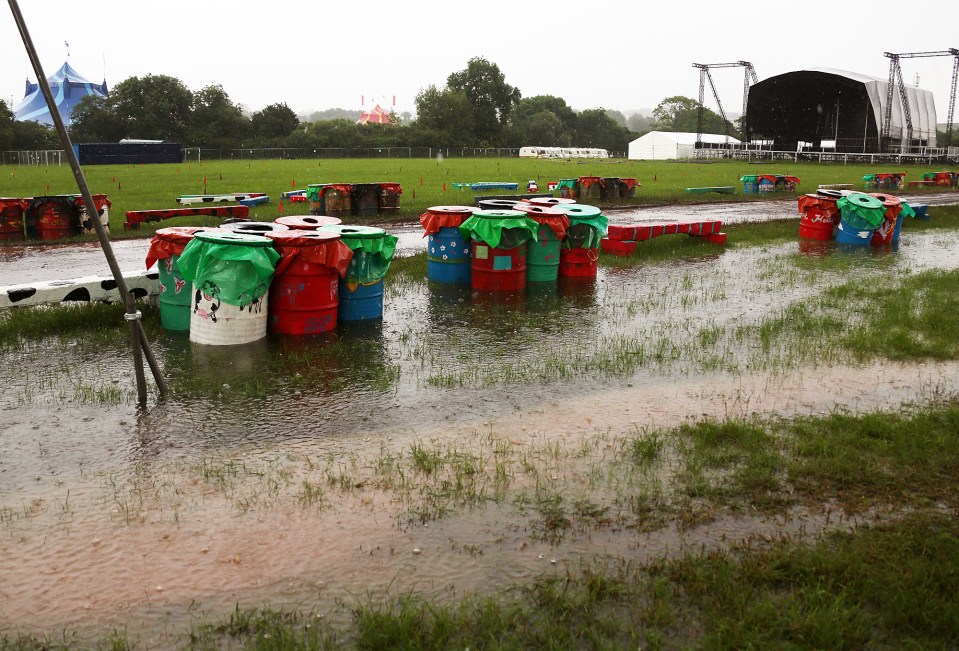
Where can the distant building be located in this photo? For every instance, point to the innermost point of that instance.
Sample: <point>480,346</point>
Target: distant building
<point>68,88</point>
<point>669,145</point>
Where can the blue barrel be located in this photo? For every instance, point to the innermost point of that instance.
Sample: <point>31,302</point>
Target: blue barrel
<point>848,234</point>
<point>448,257</point>
<point>898,229</point>
<point>359,301</point>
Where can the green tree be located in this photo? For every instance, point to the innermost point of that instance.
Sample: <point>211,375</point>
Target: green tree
<point>491,98</point>
<point>215,121</point>
<point>639,123</point>
<point>617,117</point>
<point>29,135</point>
<point>528,130</point>
<point>155,107</point>
<point>6,126</point>
<point>94,120</point>
<point>597,129</point>
<point>448,112</point>
<point>679,113</point>
<point>274,121</point>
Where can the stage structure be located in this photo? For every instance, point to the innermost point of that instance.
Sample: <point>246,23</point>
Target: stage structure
<point>826,110</point>
<point>895,77</point>
<point>704,76</point>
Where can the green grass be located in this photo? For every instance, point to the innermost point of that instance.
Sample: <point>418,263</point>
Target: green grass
<point>147,187</point>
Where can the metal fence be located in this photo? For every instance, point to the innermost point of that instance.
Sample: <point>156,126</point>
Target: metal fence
<point>927,158</point>
<point>57,157</point>
<point>44,157</point>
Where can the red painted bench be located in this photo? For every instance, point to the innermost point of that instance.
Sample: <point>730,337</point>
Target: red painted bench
<point>621,239</point>
<point>137,217</point>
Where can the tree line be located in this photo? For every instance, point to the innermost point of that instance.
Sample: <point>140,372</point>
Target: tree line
<point>475,108</point>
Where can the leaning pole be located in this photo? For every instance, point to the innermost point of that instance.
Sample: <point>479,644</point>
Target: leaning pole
<point>141,346</point>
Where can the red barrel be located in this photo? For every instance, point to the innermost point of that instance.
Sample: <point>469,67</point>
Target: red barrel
<point>578,263</point>
<point>588,187</point>
<point>307,222</point>
<point>498,270</point>
<point>820,216</point>
<point>11,219</point>
<point>884,232</point>
<point>303,294</point>
<point>390,197</point>
<point>54,217</point>
<point>338,198</point>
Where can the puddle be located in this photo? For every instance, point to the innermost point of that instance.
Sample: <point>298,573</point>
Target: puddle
<point>272,474</point>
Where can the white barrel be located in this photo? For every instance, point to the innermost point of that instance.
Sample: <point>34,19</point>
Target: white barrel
<point>220,324</point>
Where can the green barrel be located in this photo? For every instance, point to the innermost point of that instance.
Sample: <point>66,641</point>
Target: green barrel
<point>542,259</point>
<point>175,293</point>
<point>314,194</point>
<point>543,255</point>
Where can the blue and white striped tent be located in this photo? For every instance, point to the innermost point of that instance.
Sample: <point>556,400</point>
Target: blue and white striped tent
<point>68,88</point>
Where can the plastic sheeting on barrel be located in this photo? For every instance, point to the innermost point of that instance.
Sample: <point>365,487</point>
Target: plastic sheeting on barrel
<point>231,274</point>
<point>361,289</point>
<point>303,294</point>
<point>448,252</point>
<point>175,291</point>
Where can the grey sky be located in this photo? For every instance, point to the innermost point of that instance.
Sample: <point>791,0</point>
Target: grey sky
<point>614,54</point>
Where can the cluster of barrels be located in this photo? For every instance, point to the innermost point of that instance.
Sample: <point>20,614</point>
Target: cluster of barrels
<point>346,200</point>
<point>504,244</point>
<point>590,188</point>
<point>296,276</point>
<point>884,181</point>
<point>50,217</point>
<point>753,183</point>
<point>853,218</point>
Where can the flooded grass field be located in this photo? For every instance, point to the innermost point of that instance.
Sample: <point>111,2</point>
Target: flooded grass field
<point>464,445</point>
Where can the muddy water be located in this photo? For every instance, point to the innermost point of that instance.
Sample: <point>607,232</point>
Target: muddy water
<point>281,472</point>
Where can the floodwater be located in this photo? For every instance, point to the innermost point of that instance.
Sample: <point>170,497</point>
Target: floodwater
<point>290,472</point>
<point>37,263</point>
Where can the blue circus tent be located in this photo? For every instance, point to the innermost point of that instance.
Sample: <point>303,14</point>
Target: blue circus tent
<point>68,88</point>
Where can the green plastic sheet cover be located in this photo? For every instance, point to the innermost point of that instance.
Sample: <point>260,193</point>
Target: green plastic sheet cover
<point>580,216</point>
<point>372,247</point>
<point>861,210</point>
<point>869,177</point>
<point>313,191</point>
<point>906,210</point>
<point>582,235</point>
<point>748,179</point>
<point>566,183</point>
<point>500,229</point>
<point>238,268</point>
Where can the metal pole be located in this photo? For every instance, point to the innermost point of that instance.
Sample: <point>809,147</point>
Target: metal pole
<point>132,316</point>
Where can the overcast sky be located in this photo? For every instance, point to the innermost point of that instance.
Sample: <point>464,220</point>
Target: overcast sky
<point>614,54</point>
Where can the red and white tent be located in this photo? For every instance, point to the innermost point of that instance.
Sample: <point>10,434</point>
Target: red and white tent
<point>375,116</point>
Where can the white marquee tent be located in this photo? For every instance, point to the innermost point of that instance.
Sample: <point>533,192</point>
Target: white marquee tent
<point>667,145</point>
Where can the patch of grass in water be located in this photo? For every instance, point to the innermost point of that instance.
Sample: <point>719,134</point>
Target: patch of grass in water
<point>908,318</point>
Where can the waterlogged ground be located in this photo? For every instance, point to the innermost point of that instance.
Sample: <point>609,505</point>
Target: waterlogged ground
<point>465,443</point>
